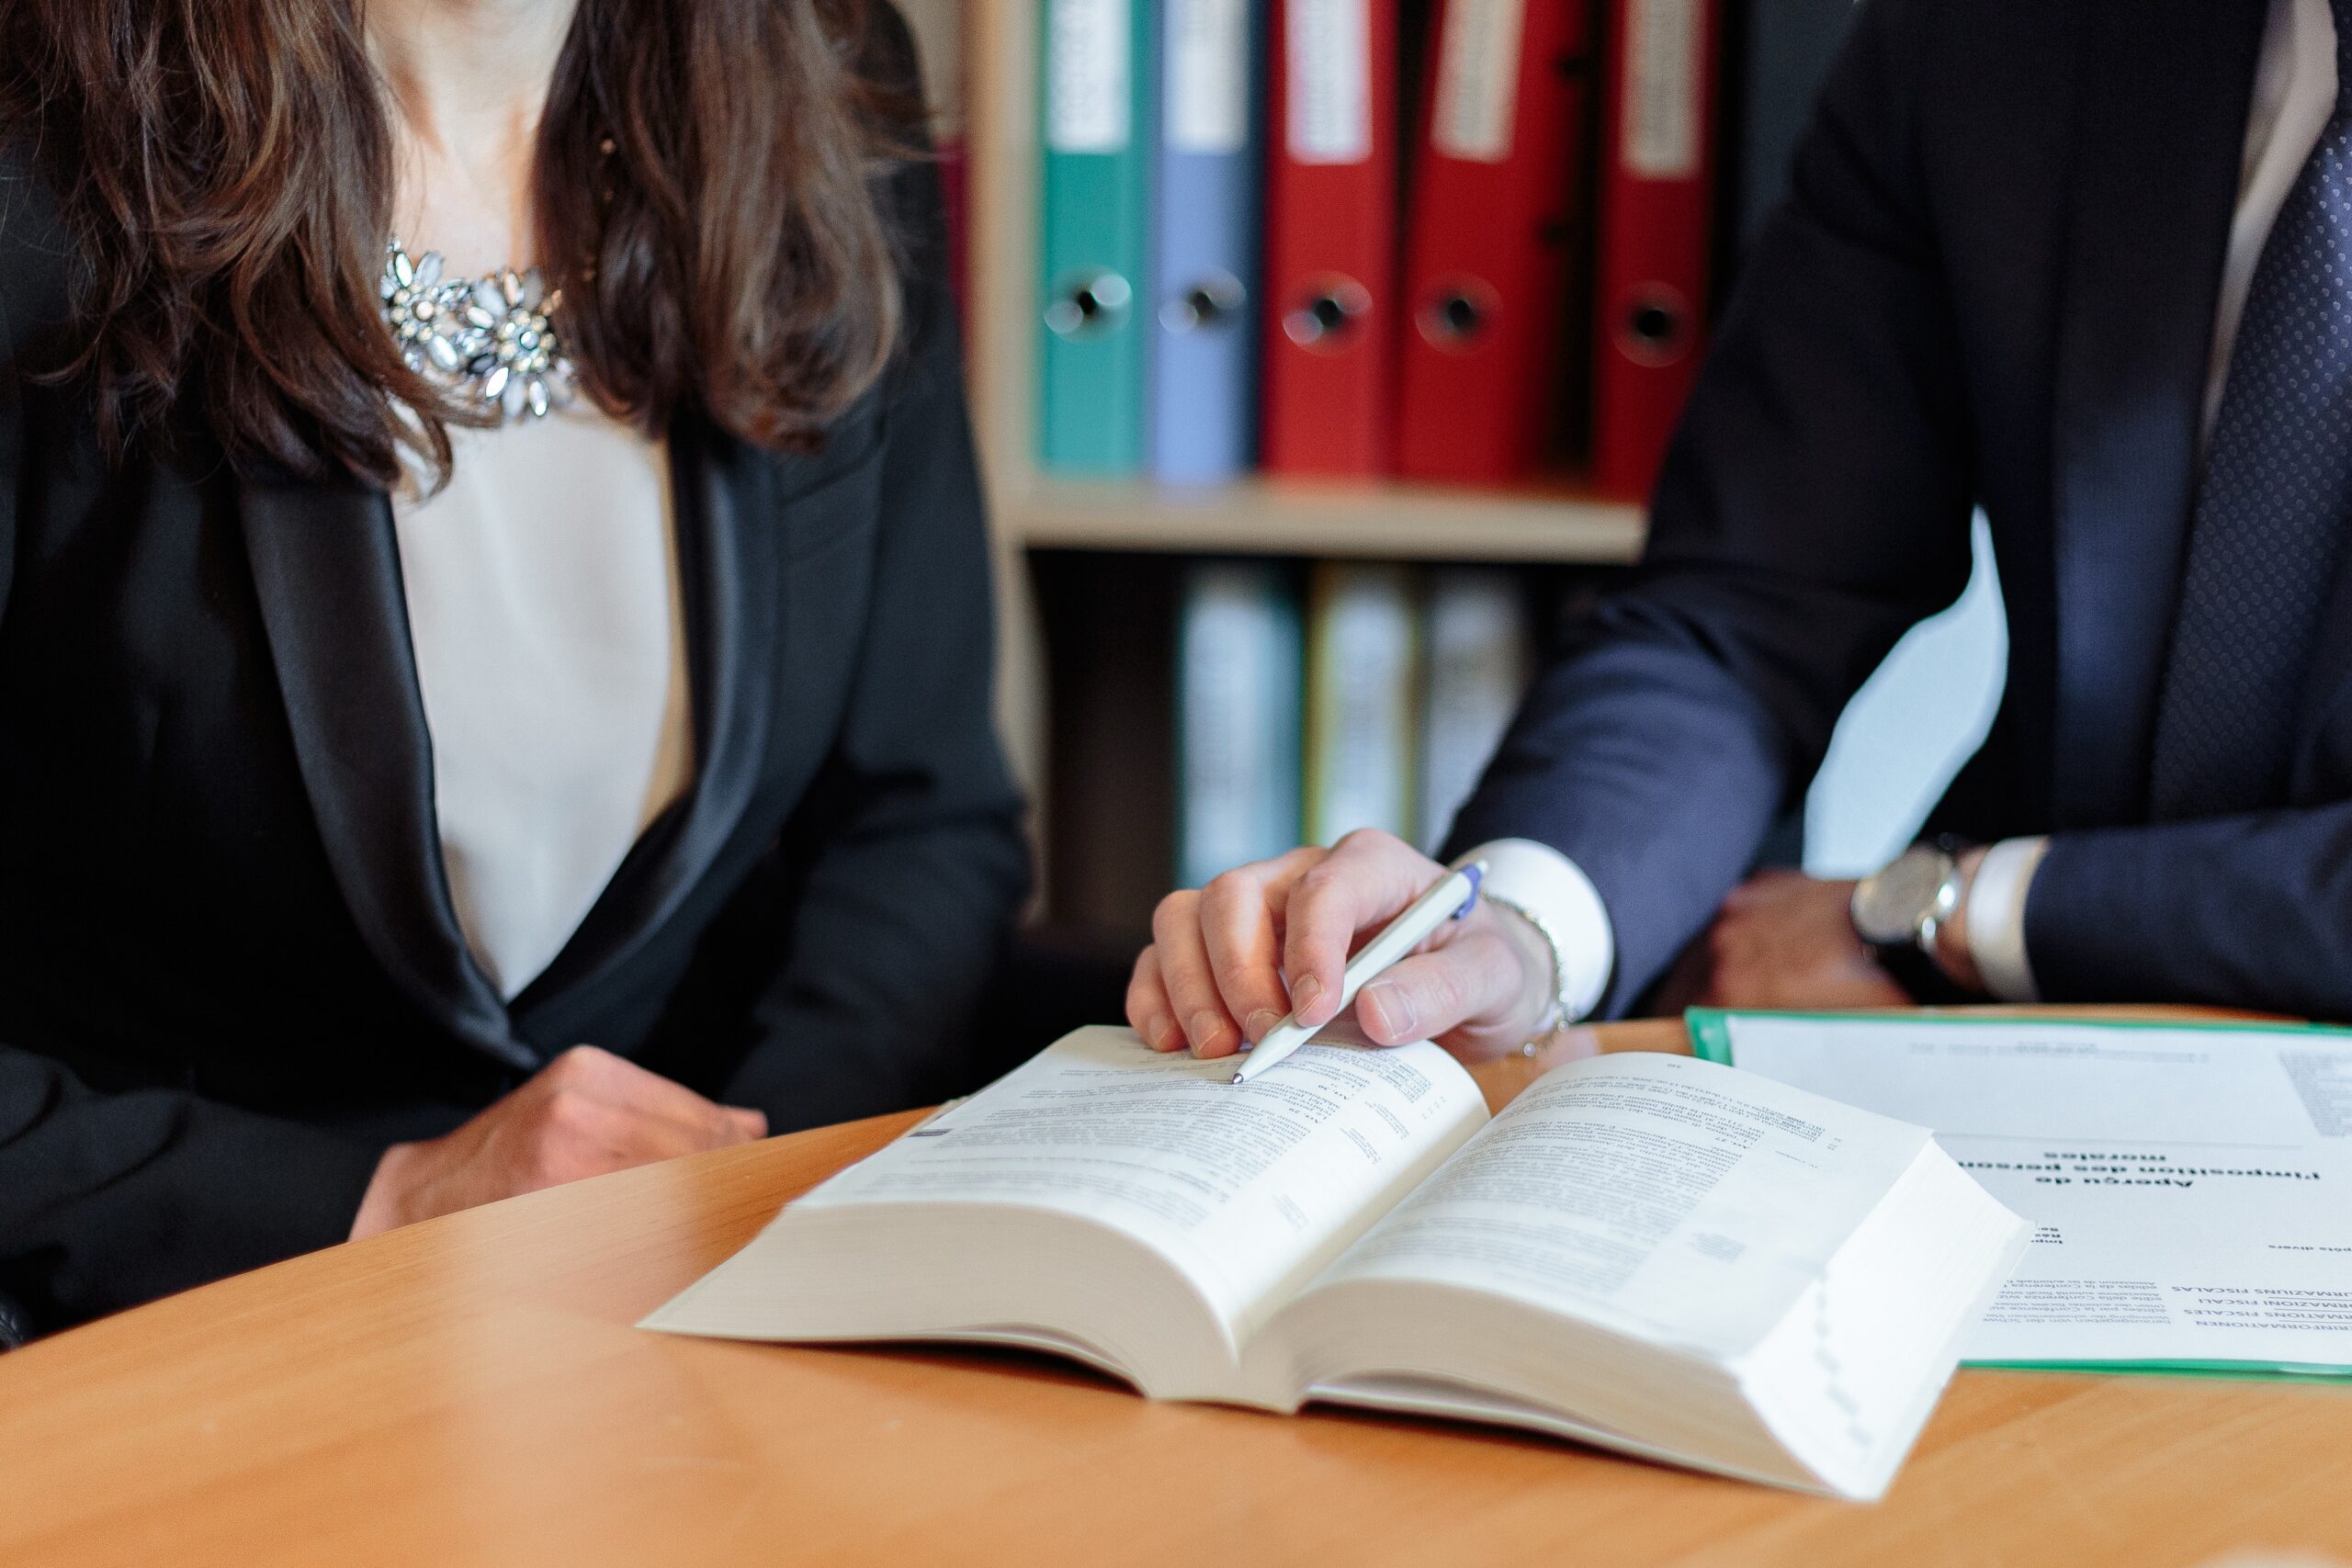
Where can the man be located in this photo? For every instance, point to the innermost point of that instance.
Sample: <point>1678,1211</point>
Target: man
<point>2084,264</point>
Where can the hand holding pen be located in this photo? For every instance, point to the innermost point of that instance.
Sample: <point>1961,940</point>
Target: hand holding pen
<point>1215,976</point>
<point>1453,898</point>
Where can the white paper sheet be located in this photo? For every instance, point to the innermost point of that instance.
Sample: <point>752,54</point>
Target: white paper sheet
<point>2190,1187</point>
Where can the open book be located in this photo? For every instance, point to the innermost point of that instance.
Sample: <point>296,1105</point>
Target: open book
<point>1655,1254</point>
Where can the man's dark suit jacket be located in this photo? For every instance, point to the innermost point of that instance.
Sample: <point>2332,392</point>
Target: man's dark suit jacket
<point>1994,284</point>
<point>229,969</point>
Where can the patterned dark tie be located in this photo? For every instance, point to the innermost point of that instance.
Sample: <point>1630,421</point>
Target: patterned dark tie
<point>2274,506</point>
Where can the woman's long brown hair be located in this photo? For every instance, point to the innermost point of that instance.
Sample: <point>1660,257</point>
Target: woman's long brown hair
<point>707,197</point>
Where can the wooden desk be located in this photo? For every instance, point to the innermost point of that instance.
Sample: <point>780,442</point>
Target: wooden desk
<point>469,1391</point>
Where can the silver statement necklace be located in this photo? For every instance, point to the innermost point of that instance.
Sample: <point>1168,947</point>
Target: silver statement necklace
<point>488,340</point>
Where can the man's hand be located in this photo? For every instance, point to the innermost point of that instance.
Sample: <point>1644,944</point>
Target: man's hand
<point>1783,939</point>
<point>584,1114</point>
<point>1215,971</point>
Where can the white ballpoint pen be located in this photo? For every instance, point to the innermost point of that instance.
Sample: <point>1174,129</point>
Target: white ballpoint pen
<point>1449,900</point>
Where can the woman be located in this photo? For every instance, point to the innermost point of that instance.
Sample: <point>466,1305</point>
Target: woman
<point>489,561</point>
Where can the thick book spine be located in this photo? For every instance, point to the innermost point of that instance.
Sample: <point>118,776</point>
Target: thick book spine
<point>1094,213</point>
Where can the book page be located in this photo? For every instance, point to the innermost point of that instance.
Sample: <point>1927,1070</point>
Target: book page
<point>1665,1198</point>
<point>1246,1188</point>
<point>2190,1189</point>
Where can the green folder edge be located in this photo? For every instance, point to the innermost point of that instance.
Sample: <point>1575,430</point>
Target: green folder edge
<point>1710,1030</point>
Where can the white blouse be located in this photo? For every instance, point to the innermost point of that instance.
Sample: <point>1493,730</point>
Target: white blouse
<point>545,604</point>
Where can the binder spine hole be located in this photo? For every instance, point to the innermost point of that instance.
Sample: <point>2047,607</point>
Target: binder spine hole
<point>1091,305</point>
<point>1655,328</point>
<point>1458,315</point>
<point>1215,300</point>
<point>1330,317</point>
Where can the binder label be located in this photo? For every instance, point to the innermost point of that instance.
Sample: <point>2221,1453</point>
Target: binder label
<point>1208,76</point>
<point>1329,60</point>
<point>1477,80</point>
<point>1086,75</point>
<point>1659,127</point>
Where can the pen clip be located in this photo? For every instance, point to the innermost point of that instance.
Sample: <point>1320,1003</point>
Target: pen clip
<point>1477,872</point>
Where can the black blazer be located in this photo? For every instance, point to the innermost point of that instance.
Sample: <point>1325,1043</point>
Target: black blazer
<point>229,973</point>
<point>1993,284</point>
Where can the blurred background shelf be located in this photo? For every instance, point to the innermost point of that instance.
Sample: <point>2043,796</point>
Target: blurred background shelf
<point>1093,576</point>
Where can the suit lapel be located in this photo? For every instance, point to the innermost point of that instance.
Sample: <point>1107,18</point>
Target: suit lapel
<point>326,570</point>
<point>2165,88</point>
<point>733,574</point>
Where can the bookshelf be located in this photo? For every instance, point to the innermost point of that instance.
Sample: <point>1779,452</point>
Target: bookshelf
<point>1553,522</point>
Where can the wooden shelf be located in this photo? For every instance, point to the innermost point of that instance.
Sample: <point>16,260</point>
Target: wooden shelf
<point>1543,524</point>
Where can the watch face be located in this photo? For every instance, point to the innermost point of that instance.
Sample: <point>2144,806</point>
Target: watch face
<point>1889,907</point>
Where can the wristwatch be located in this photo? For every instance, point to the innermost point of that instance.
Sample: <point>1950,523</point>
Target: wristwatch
<point>1899,908</point>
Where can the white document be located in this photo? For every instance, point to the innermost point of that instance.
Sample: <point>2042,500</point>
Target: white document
<point>2189,1188</point>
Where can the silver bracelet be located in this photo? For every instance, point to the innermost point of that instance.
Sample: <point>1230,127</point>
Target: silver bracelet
<point>1556,1016</point>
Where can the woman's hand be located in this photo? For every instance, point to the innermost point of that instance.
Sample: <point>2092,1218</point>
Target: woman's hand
<point>584,1114</point>
<point>1215,975</point>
